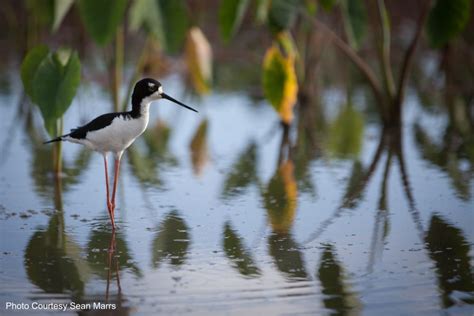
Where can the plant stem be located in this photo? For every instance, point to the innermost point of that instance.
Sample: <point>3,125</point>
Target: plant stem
<point>408,60</point>
<point>358,62</point>
<point>58,149</point>
<point>385,47</point>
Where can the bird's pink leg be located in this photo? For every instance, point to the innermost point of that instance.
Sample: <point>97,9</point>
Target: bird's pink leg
<point>109,205</point>
<point>116,175</point>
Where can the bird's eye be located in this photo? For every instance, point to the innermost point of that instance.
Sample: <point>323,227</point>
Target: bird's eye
<point>151,88</point>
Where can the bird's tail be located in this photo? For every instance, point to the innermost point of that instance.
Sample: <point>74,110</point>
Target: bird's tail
<point>57,139</point>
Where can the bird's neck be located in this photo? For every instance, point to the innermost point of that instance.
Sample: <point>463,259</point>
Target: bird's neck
<point>140,107</point>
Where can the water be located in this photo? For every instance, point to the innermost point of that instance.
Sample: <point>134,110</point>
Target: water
<point>216,216</point>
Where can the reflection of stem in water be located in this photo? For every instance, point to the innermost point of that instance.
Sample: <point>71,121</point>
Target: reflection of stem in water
<point>22,108</point>
<point>351,194</point>
<point>390,141</point>
<point>381,223</point>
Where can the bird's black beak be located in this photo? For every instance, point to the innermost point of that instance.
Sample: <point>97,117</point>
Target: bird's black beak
<point>167,97</point>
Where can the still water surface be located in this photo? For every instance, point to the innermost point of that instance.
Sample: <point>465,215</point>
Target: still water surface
<point>217,215</point>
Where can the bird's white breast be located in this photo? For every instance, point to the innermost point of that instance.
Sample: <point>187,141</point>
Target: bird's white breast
<point>119,135</point>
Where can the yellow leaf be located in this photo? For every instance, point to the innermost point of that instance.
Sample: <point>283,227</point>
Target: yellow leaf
<point>199,60</point>
<point>279,82</point>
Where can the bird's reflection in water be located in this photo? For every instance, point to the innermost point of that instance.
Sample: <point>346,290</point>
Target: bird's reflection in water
<point>112,265</point>
<point>113,303</point>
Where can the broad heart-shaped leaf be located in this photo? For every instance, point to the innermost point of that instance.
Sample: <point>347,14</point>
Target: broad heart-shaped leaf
<point>54,87</point>
<point>447,19</point>
<point>61,7</point>
<point>30,66</point>
<point>101,18</point>
<point>166,20</point>
<point>279,82</point>
<point>355,21</point>
<point>147,14</point>
<point>199,60</point>
<point>231,13</point>
<point>345,134</point>
<point>176,23</point>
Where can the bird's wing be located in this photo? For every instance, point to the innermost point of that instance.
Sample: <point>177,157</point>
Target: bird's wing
<point>94,125</point>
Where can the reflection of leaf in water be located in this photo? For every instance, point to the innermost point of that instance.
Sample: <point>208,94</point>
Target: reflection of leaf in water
<point>280,198</point>
<point>53,261</point>
<point>446,159</point>
<point>242,174</point>
<point>355,186</point>
<point>235,250</point>
<point>198,148</point>
<point>98,250</point>
<point>345,133</point>
<point>449,250</point>
<point>146,164</point>
<point>338,298</point>
<point>288,258</point>
<point>42,166</point>
<point>171,241</point>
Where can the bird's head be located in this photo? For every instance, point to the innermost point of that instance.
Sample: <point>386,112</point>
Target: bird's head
<point>150,90</point>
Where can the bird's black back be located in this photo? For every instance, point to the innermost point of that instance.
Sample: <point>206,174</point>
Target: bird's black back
<point>96,124</point>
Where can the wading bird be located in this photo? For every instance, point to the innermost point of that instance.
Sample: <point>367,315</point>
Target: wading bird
<point>115,132</point>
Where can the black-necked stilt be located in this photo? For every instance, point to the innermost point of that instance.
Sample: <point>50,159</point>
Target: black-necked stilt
<point>115,132</point>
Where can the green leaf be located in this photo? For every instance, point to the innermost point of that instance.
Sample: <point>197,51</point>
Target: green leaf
<point>175,22</point>
<point>446,20</point>
<point>102,17</point>
<point>345,134</point>
<point>30,66</point>
<point>263,7</point>
<point>355,21</point>
<point>231,13</point>
<point>147,14</point>
<point>54,87</point>
<point>61,7</point>
<point>282,14</point>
